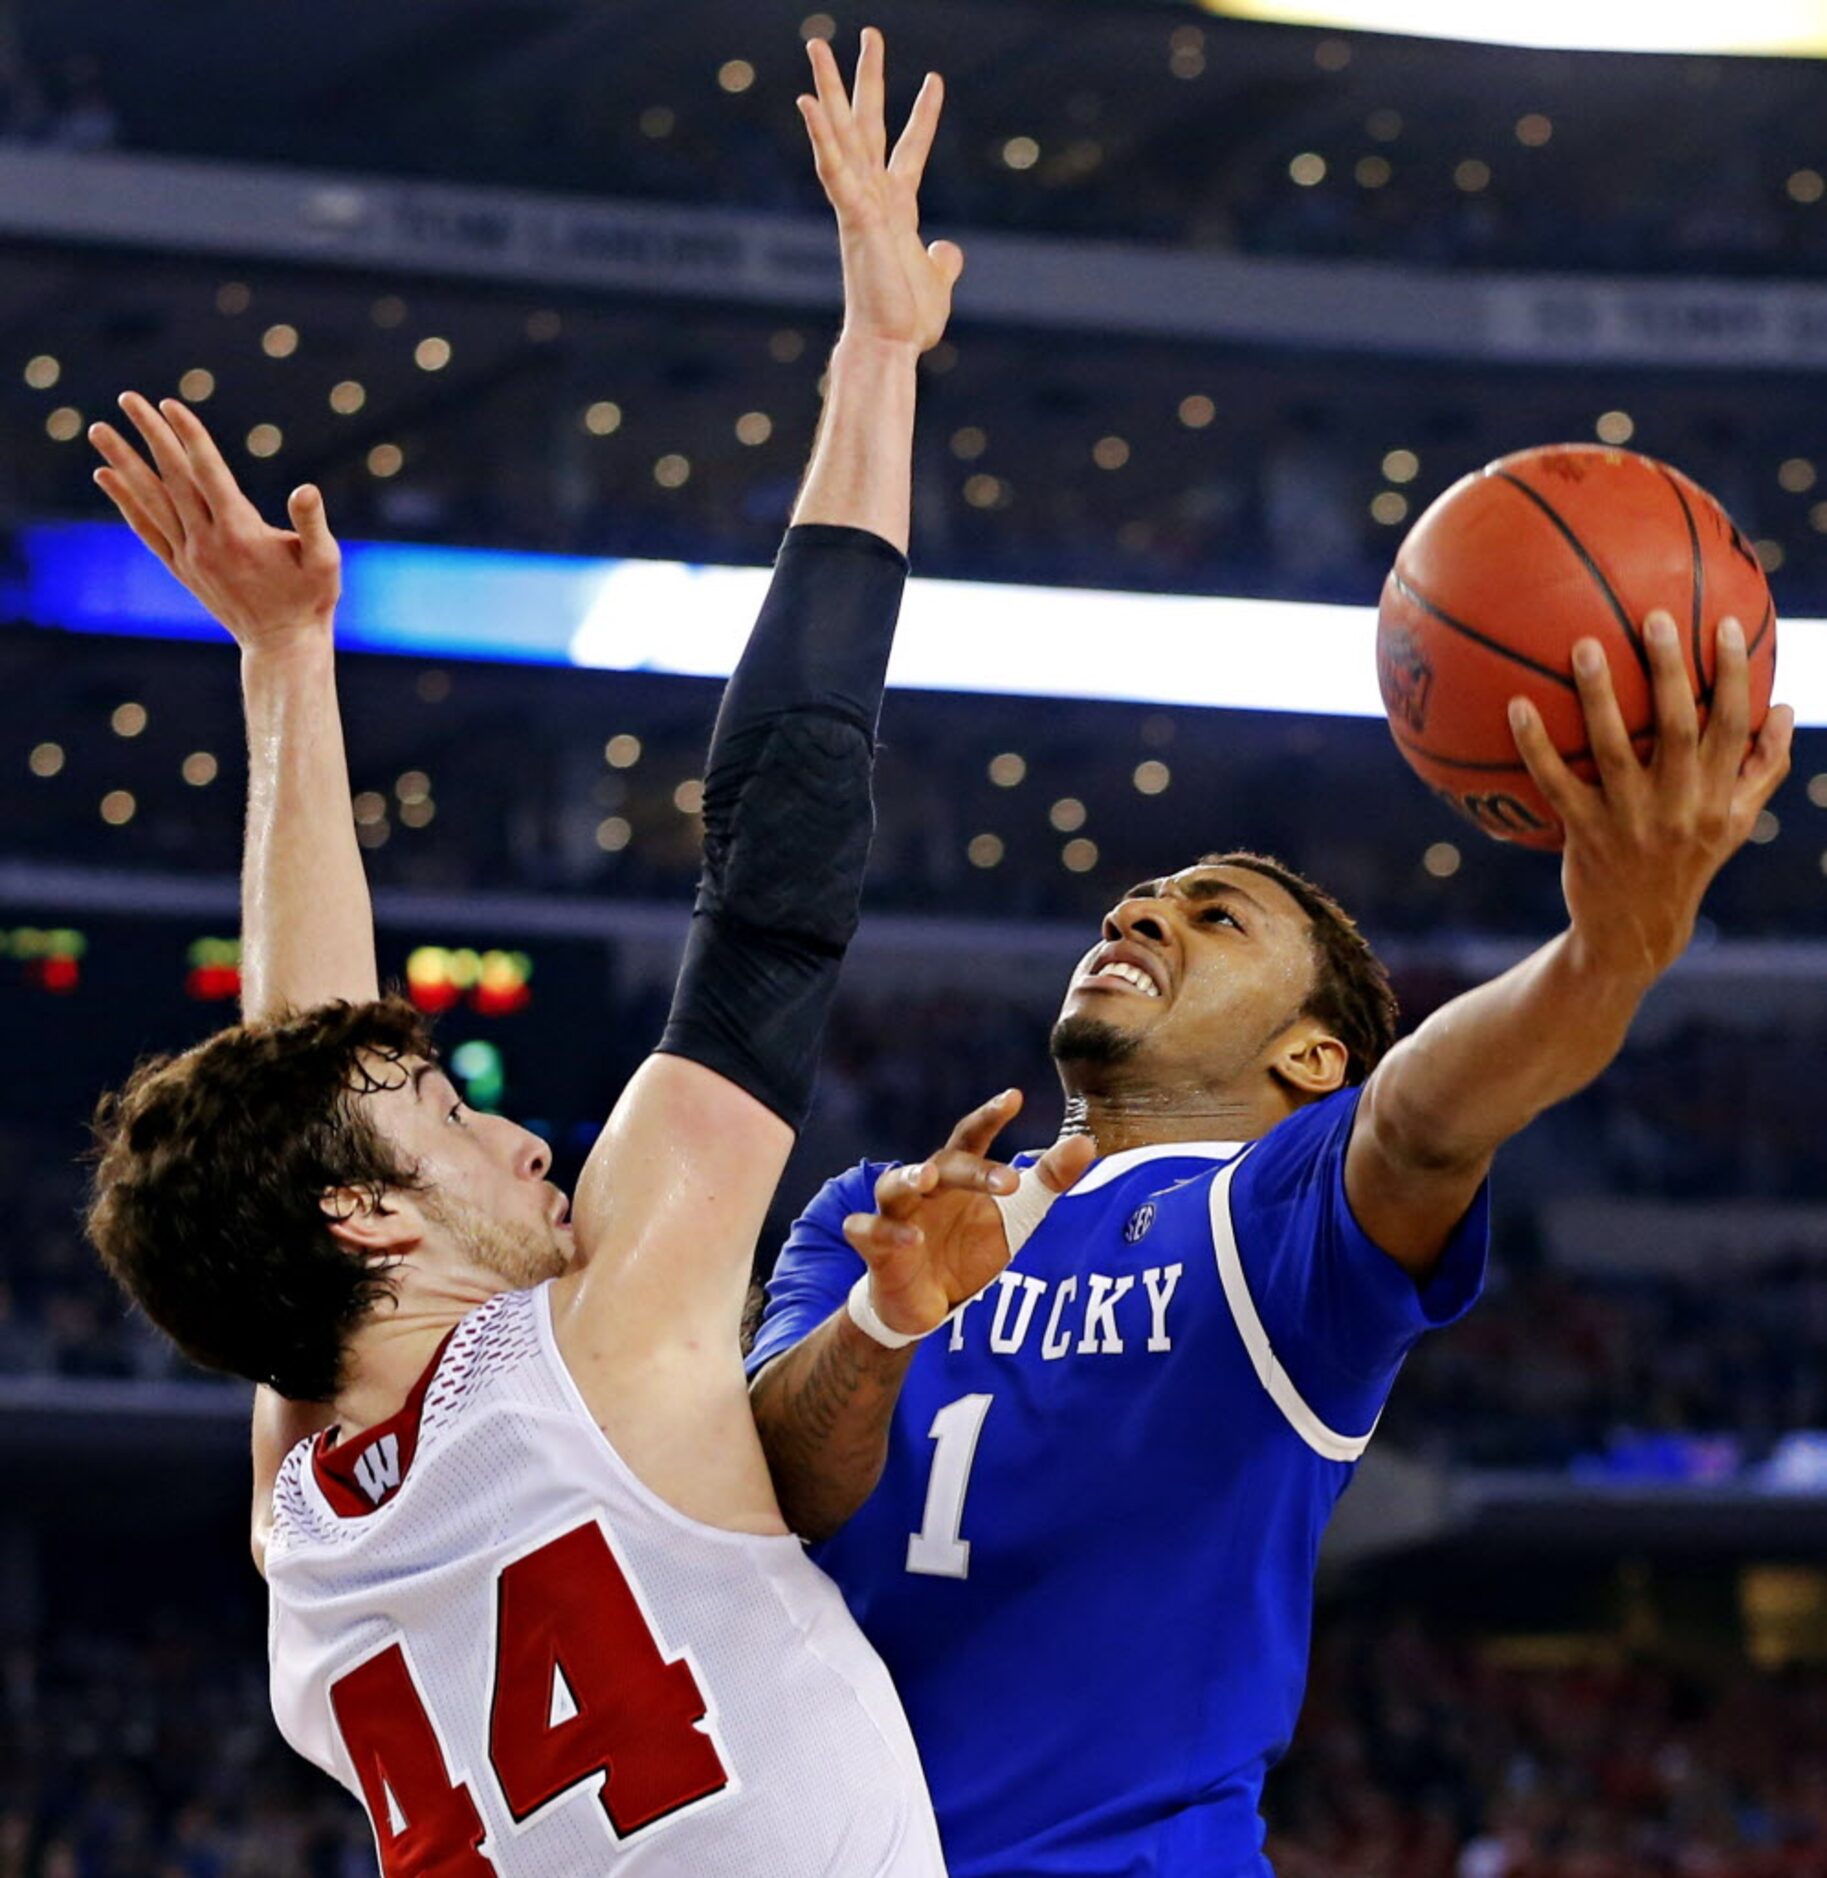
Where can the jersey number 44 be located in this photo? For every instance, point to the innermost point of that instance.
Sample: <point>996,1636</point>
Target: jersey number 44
<point>582,1692</point>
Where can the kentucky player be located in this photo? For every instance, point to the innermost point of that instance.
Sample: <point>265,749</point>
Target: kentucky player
<point>1078,1511</point>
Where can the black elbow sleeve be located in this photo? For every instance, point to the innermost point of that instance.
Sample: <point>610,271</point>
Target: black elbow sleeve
<point>788,818</point>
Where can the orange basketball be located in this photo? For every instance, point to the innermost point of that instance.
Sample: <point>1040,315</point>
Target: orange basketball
<point>1510,567</point>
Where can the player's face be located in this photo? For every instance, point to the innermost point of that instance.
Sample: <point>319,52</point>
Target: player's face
<point>1194,978</point>
<point>483,1193</point>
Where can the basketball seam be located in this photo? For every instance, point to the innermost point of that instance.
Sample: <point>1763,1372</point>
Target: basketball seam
<point>1583,755</point>
<point>1763,630</point>
<point>1586,561</point>
<point>1698,601</point>
<point>1409,591</point>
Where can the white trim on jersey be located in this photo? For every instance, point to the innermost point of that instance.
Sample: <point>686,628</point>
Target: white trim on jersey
<point>1113,1166</point>
<point>1325,1442</point>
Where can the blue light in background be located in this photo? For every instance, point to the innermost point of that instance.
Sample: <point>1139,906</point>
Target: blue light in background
<point>466,603</point>
<point>94,577</point>
<point>1206,650</point>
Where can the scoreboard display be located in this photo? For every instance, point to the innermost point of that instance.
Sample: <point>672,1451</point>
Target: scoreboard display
<point>144,985</point>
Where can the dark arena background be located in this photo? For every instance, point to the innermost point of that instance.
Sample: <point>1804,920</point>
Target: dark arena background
<point>540,292</point>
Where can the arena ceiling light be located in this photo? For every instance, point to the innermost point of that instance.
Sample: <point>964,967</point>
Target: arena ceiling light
<point>691,621</point>
<point>1796,28</point>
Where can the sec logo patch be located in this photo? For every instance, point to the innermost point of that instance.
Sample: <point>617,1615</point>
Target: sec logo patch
<point>1139,1223</point>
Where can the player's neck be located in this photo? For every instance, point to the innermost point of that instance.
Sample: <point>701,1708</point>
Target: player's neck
<point>387,1357</point>
<point>1118,1120</point>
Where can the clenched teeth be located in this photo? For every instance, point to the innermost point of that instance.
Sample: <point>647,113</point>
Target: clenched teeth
<point>1131,975</point>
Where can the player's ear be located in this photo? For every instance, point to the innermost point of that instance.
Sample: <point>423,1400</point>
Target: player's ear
<point>1310,1061</point>
<point>378,1225</point>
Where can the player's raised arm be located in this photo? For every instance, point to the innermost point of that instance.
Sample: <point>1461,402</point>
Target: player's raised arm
<point>307,927</point>
<point>676,1189</point>
<point>1643,845</point>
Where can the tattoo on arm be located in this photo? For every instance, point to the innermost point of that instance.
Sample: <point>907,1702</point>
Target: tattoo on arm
<point>824,1411</point>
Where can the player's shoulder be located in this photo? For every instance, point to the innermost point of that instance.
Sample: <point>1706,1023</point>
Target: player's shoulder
<point>1314,1136</point>
<point>498,1357</point>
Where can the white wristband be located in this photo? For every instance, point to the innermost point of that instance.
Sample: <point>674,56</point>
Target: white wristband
<point>865,1317</point>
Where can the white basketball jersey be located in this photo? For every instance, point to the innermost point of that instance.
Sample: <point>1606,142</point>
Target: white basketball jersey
<point>526,1664</point>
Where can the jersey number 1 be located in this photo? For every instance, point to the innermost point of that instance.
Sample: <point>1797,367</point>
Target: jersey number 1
<point>938,1550</point>
<point>581,1692</point>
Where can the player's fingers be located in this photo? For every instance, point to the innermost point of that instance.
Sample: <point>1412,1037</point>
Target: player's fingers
<point>828,82</point>
<point>173,463</point>
<point>1619,769</point>
<point>133,511</point>
<point>828,155</point>
<point>915,143</point>
<point>306,508</point>
<point>136,475</point>
<point>959,1172</point>
<point>1728,731</point>
<point>216,479</point>
<point>1677,758</point>
<point>869,96</point>
<point>871,1235</point>
<point>1766,766</point>
<point>948,258</point>
<point>1567,795</point>
<point>983,1124</point>
<point>1063,1163</point>
<point>899,1191</point>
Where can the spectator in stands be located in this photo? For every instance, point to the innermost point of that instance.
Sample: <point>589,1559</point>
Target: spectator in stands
<point>85,118</point>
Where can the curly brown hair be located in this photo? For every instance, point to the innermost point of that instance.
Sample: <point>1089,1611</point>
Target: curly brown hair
<point>211,1170</point>
<point>1351,995</point>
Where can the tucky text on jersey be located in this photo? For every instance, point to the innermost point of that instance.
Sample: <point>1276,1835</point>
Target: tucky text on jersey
<point>1082,1314</point>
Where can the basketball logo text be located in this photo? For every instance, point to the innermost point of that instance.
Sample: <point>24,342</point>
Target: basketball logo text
<point>1405,677</point>
<point>1497,814</point>
<point>1570,466</point>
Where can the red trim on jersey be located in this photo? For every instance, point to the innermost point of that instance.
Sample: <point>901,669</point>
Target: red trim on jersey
<point>360,1476</point>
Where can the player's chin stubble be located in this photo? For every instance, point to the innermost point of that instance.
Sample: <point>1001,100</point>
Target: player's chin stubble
<point>517,1254</point>
<point>1090,1041</point>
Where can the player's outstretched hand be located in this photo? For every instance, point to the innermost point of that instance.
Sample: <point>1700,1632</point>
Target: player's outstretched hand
<point>1645,841</point>
<point>897,289</point>
<point>937,1236</point>
<point>266,585</point>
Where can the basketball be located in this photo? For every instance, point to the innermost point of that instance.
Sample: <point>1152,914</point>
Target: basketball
<point>1514,564</point>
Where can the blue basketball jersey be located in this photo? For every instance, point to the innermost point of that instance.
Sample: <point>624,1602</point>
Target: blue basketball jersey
<point>1089,1564</point>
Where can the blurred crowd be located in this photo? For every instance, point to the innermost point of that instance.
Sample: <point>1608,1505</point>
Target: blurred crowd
<point>534,780</point>
<point>155,1756</point>
<point>1214,135</point>
<point>1418,1758</point>
<point>1732,216</point>
<point>1415,205</point>
<point>1595,1374</point>
<point>1712,1111</point>
<point>1097,459</point>
<point>152,1755</point>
